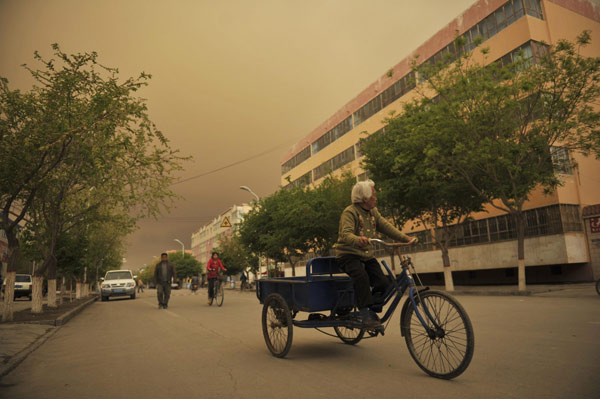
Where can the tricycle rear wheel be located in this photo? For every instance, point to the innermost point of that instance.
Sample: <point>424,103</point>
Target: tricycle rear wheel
<point>277,325</point>
<point>349,335</point>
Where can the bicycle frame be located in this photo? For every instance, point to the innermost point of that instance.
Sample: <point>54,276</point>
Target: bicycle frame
<point>216,287</point>
<point>399,286</point>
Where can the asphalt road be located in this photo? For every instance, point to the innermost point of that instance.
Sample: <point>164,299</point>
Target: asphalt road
<point>534,347</point>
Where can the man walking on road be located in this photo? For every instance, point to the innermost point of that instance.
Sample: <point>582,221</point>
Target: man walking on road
<point>163,274</point>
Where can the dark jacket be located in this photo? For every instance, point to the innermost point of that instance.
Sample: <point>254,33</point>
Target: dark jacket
<point>170,273</point>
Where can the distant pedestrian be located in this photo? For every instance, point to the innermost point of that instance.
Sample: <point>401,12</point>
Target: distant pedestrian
<point>140,287</point>
<point>243,280</point>
<point>163,274</point>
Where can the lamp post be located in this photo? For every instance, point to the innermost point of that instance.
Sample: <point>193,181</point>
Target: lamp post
<point>182,247</point>
<point>246,188</point>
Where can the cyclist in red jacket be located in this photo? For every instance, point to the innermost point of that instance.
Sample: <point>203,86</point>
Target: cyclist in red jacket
<point>212,272</point>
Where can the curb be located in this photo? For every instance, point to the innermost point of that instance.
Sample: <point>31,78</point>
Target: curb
<point>19,357</point>
<point>62,320</point>
<point>494,293</point>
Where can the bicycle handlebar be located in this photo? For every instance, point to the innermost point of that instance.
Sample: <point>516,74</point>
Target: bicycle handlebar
<point>390,244</point>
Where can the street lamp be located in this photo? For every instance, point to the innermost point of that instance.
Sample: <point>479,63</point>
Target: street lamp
<point>182,247</point>
<point>246,188</point>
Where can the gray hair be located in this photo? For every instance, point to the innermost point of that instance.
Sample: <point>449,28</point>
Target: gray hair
<point>362,191</point>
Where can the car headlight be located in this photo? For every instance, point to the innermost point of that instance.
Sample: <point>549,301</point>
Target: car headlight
<point>105,285</point>
<point>131,284</point>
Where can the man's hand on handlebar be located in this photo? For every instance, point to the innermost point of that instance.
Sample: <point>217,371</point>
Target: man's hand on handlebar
<point>413,241</point>
<point>363,241</point>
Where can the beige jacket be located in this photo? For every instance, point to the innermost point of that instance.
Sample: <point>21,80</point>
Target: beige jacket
<point>355,222</point>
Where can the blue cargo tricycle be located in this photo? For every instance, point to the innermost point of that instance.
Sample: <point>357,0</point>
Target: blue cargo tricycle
<point>437,329</point>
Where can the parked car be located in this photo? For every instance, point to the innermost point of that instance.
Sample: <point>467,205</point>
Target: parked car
<point>23,284</point>
<point>118,283</point>
<point>175,285</point>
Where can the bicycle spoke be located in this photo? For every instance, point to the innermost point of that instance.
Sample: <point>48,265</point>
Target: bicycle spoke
<point>442,346</point>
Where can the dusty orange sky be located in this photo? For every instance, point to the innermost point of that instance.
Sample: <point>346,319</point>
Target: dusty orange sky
<point>230,78</point>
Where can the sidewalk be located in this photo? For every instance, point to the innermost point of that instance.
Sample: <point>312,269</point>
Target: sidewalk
<point>20,338</point>
<point>575,290</point>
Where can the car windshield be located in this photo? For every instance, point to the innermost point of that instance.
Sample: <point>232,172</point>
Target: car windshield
<point>118,275</point>
<point>23,279</point>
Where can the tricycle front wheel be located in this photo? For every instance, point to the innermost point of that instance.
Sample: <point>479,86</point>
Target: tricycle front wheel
<point>277,325</point>
<point>349,335</point>
<point>442,351</point>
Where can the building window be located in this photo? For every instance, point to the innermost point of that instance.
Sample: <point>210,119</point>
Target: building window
<point>362,177</point>
<point>398,89</point>
<point>334,163</point>
<point>561,160</point>
<point>534,8</point>
<point>296,160</point>
<point>367,110</point>
<point>338,131</point>
<point>302,181</point>
<point>553,219</point>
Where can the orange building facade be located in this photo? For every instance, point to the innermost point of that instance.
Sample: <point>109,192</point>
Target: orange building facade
<point>558,246</point>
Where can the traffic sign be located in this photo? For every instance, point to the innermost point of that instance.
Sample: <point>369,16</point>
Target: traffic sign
<point>225,222</point>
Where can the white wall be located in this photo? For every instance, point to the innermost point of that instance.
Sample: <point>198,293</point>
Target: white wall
<point>539,251</point>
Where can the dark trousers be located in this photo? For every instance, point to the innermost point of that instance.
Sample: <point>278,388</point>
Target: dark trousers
<point>364,274</point>
<point>163,291</point>
<point>212,282</point>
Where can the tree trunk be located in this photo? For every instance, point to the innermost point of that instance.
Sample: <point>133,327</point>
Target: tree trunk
<point>36,304</point>
<point>63,287</point>
<point>449,282</point>
<point>78,290</point>
<point>71,289</point>
<point>520,226</point>
<point>52,293</point>
<point>14,251</point>
<point>9,296</point>
<point>52,282</point>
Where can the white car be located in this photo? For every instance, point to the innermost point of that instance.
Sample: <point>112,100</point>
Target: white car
<point>23,283</point>
<point>118,283</point>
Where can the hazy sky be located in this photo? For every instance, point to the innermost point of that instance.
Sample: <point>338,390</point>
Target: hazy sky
<point>230,78</point>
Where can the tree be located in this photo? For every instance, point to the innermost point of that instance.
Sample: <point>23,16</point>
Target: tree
<point>495,125</point>
<point>186,265</point>
<point>98,137</point>
<point>294,221</point>
<point>235,256</point>
<point>417,187</point>
<point>328,200</point>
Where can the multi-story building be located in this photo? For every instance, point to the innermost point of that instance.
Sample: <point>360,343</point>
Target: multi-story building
<point>208,236</point>
<point>556,238</point>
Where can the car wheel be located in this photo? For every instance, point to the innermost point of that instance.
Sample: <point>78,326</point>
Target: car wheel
<point>132,296</point>
<point>104,299</point>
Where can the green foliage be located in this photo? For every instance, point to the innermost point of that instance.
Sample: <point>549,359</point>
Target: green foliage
<point>494,124</point>
<point>88,152</point>
<point>412,185</point>
<point>294,221</point>
<point>235,256</point>
<point>186,265</point>
<point>487,130</point>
